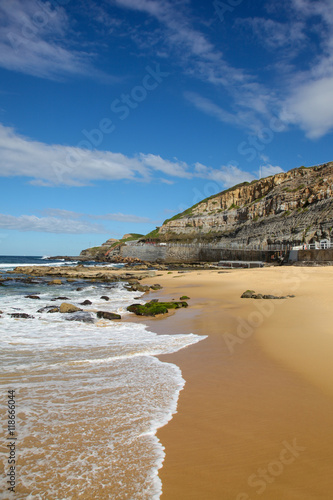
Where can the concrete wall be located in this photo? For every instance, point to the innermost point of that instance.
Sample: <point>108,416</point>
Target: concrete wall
<point>191,253</point>
<point>293,255</point>
<point>211,253</point>
<point>151,253</point>
<point>315,255</point>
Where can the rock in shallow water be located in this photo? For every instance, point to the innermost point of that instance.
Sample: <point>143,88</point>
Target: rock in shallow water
<point>68,308</point>
<point>21,315</point>
<point>81,316</point>
<point>49,309</point>
<point>107,315</point>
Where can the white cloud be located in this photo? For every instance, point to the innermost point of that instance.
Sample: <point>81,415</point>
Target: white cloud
<point>60,213</point>
<point>55,164</point>
<point>174,169</point>
<point>30,34</point>
<point>309,104</point>
<point>226,176</point>
<point>49,225</point>
<point>134,219</point>
<point>268,170</point>
<point>311,107</point>
<point>253,104</point>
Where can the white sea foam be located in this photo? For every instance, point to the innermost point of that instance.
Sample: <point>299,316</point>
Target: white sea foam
<point>12,265</point>
<point>91,396</point>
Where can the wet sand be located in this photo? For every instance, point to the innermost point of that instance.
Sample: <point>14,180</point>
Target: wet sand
<point>255,417</point>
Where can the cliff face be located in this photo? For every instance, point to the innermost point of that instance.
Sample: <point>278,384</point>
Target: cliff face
<point>108,249</point>
<point>296,206</point>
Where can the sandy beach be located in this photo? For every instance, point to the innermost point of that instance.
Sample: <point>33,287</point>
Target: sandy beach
<point>255,417</point>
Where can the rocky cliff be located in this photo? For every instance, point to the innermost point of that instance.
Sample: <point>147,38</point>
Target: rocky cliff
<point>109,249</point>
<point>296,206</point>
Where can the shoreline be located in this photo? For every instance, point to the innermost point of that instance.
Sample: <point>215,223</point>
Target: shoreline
<point>240,412</point>
<point>254,418</point>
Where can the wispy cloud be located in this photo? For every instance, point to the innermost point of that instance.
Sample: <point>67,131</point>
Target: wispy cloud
<point>133,219</point>
<point>310,101</point>
<point>64,165</point>
<point>276,35</point>
<point>301,97</point>
<point>49,225</point>
<point>267,169</point>
<point>197,55</point>
<point>302,92</point>
<point>249,104</point>
<point>174,168</point>
<point>226,176</point>
<point>32,41</point>
<point>56,165</point>
<point>210,108</point>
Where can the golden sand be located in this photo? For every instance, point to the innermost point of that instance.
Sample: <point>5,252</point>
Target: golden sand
<point>255,419</point>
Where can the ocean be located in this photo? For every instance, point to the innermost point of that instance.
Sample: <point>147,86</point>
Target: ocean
<point>81,401</point>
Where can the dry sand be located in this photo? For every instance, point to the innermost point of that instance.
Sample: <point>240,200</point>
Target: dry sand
<point>255,419</point>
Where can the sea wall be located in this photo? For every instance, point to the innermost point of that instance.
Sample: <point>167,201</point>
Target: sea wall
<point>150,253</point>
<point>191,253</point>
<point>315,255</point>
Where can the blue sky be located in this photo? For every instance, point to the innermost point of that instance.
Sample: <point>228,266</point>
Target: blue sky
<point>117,114</point>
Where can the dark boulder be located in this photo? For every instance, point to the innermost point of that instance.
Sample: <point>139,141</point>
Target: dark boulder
<point>83,316</point>
<point>107,315</point>
<point>53,310</point>
<point>21,315</point>
<point>136,287</point>
<point>156,287</point>
<point>48,309</point>
<point>249,294</point>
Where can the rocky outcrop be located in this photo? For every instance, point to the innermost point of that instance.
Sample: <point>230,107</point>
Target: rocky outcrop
<point>154,307</point>
<point>87,273</point>
<point>296,206</point>
<point>250,294</point>
<point>109,250</point>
